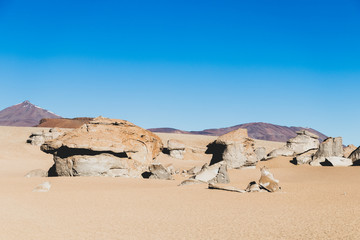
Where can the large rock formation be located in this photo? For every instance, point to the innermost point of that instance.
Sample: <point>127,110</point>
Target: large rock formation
<point>304,141</point>
<point>331,147</point>
<point>235,148</point>
<point>103,147</point>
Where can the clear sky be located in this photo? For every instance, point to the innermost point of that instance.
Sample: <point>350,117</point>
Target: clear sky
<point>187,64</point>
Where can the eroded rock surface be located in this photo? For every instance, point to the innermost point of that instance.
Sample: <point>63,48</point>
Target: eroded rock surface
<point>355,156</point>
<point>176,148</point>
<point>349,150</point>
<point>268,181</point>
<point>304,141</point>
<point>331,147</point>
<point>104,147</point>
<point>235,148</point>
<point>39,138</point>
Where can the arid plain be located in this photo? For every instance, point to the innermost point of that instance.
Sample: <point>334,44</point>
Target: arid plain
<point>315,202</point>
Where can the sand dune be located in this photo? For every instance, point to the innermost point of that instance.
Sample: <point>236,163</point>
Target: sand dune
<point>316,202</point>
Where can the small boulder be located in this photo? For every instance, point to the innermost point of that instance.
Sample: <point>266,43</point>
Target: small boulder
<point>306,157</point>
<point>158,171</point>
<point>284,151</point>
<point>176,148</point>
<point>267,180</point>
<point>253,187</point>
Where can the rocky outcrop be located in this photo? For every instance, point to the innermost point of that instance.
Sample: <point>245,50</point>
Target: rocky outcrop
<point>348,150</point>
<point>304,141</point>
<point>331,147</point>
<point>176,148</point>
<point>104,147</point>
<point>39,138</point>
<point>235,148</point>
<point>355,156</point>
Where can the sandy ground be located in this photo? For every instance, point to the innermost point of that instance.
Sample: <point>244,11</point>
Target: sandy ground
<point>316,202</point>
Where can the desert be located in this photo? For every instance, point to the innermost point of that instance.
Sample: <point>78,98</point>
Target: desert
<point>313,201</point>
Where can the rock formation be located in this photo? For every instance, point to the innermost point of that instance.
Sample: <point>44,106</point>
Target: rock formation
<point>303,142</point>
<point>158,171</point>
<point>337,162</point>
<point>176,148</point>
<point>349,150</point>
<point>103,147</point>
<point>235,148</point>
<point>355,156</point>
<point>306,157</point>
<point>331,147</point>
<point>260,153</point>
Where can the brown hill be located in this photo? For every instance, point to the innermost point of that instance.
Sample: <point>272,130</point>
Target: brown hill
<point>24,114</point>
<point>258,130</point>
<point>64,122</point>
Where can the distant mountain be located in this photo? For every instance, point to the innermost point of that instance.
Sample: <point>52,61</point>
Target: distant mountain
<point>257,130</point>
<point>64,122</point>
<point>24,114</point>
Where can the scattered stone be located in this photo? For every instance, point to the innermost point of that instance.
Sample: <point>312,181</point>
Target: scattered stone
<point>176,148</point>
<point>304,141</point>
<point>195,170</point>
<point>37,173</point>
<point>43,187</point>
<point>158,171</point>
<point>260,153</point>
<point>190,182</point>
<point>349,150</point>
<point>235,148</point>
<point>267,180</point>
<point>330,147</point>
<point>101,146</point>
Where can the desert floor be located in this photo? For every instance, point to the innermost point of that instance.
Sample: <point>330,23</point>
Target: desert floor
<point>316,202</point>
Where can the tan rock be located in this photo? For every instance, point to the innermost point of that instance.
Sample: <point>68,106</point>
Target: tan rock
<point>349,150</point>
<point>268,181</point>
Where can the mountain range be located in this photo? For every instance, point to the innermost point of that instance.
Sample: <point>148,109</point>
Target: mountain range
<point>26,114</point>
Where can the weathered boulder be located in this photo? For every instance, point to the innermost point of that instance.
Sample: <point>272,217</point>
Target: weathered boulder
<point>176,148</point>
<point>355,156</point>
<point>304,141</point>
<point>337,162</point>
<point>253,187</point>
<point>330,147</point>
<point>306,157</point>
<point>267,180</point>
<point>158,171</point>
<point>260,153</point>
<point>235,148</point>
<point>348,150</point>
<point>216,173</point>
<point>284,151</point>
<point>39,138</point>
<point>104,147</point>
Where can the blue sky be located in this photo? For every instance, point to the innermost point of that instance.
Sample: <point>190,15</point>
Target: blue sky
<point>187,64</point>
